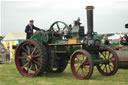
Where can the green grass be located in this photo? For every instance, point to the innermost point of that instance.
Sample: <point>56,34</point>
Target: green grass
<point>10,76</point>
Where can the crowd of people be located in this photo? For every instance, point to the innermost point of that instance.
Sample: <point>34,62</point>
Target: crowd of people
<point>124,40</point>
<point>4,54</point>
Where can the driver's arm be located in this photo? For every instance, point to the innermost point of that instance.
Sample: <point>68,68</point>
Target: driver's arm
<point>36,28</point>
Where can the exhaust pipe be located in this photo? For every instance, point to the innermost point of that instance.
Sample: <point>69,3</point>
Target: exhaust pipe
<point>89,10</point>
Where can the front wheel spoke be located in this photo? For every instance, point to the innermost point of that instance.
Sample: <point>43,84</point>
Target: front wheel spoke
<point>86,63</point>
<point>112,59</point>
<point>109,67</point>
<point>104,67</point>
<point>109,55</point>
<point>82,71</point>
<point>77,65</point>
<point>83,57</point>
<point>101,65</point>
<point>86,69</point>
<point>78,69</point>
<point>103,53</point>
<point>105,56</point>
<point>78,59</point>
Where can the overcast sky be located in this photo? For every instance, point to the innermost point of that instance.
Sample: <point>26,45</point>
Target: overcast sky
<point>109,15</point>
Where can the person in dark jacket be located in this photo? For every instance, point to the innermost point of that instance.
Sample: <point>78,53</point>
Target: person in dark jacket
<point>29,29</point>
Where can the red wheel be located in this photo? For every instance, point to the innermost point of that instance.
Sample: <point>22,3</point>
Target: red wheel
<point>30,58</point>
<point>81,64</point>
<point>111,62</point>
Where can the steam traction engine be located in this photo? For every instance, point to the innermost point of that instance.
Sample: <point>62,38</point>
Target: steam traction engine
<point>50,51</point>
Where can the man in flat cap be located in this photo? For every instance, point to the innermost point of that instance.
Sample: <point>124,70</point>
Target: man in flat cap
<point>29,29</point>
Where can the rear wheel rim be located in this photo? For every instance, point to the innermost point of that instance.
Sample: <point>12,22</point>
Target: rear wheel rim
<point>28,59</point>
<point>111,62</point>
<point>81,65</point>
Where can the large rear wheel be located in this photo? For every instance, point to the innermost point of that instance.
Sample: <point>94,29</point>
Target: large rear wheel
<point>31,58</point>
<point>81,64</point>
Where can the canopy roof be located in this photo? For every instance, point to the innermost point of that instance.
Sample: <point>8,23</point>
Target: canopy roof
<point>15,36</point>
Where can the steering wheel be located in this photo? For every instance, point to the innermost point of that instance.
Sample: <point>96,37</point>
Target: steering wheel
<point>59,27</point>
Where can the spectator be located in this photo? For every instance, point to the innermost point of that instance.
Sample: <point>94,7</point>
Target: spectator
<point>106,41</point>
<point>8,54</point>
<point>2,52</point>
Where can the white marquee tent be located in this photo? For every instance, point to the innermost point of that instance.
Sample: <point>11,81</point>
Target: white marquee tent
<point>13,38</point>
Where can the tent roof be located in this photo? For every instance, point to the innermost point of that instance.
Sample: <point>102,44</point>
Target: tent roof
<point>15,36</point>
<point>116,36</point>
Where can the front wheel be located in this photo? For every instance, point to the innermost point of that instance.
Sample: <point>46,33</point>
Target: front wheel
<point>81,64</point>
<point>111,62</point>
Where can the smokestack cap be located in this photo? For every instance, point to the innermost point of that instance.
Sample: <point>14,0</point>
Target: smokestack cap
<point>89,7</point>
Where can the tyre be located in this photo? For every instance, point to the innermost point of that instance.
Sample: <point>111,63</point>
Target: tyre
<point>111,62</point>
<point>31,58</point>
<point>82,64</point>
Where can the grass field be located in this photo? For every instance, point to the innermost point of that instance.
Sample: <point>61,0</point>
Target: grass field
<point>10,76</point>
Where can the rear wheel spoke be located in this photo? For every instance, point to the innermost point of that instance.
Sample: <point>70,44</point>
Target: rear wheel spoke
<point>24,65</point>
<point>36,62</point>
<point>33,51</point>
<point>22,58</point>
<point>37,55</point>
<point>25,50</point>
<point>25,54</point>
<point>30,47</point>
<point>29,52</point>
<point>78,69</point>
<point>30,67</point>
<point>36,67</point>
